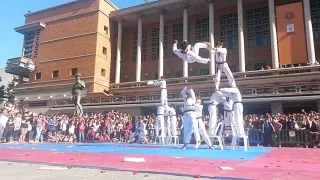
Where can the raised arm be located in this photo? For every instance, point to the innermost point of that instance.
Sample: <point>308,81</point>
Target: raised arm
<point>192,94</point>
<point>157,83</point>
<point>184,92</point>
<point>222,51</point>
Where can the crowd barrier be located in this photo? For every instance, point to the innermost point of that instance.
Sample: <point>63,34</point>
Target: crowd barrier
<point>295,138</point>
<point>287,138</point>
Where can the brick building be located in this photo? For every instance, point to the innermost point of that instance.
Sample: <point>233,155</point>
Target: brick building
<point>116,51</point>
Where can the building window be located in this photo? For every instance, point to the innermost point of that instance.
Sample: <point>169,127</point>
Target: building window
<point>165,41</point>
<point>106,29</point>
<point>74,71</point>
<point>134,46</point>
<point>104,50</point>
<point>258,27</point>
<point>144,46</point>
<point>155,76</point>
<point>103,72</point>
<point>55,73</point>
<point>229,30</point>
<point>259,66</point>
<point>179,74</point>
<point>177,31</point>
<point>155,44</point>
<point>315,18</point>
<point>28,45</point>
<point>202,30</point>
<point>204,72</point>
<point>38,75</point>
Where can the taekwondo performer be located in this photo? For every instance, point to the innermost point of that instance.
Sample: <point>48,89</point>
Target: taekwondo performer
<point>191,56</point>
<point>190,124</point>
<point>234,96</point>
<point>215,99</point>
<point>171,124</point>
<point>163,86</point>
<point>222,65</point>
<point>202,129</point>
<point>140,133</point>
<point>160,123</point>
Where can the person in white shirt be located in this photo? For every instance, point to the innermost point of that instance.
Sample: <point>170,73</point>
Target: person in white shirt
<point>3,121</point>
<point>222,65</point>
<point>190,124</point>
<point>163,85</point>
<point>188,55</point>
<point>202,129</point>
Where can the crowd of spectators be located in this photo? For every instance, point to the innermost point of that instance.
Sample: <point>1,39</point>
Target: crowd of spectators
<point>24,126</point>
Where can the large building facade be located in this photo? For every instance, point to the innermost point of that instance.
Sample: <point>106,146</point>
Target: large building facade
<point>116,51</point>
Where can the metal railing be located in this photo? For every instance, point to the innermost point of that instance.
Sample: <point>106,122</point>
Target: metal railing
<point>255,92</point>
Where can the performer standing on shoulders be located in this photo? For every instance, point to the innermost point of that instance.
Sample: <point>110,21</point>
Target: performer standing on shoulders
<point>202,129</point>
<point>164,95</point>
<point>190,124</point>
<point>222,65</point>
<point>191,56</point>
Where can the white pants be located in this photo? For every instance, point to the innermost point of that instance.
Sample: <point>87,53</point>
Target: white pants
<point>203,132</point>
<point>196,49</point>
<point>213,118</point>
<point>190,125</point>
<point>173,121</point>
<point>164,97</point>
<point>160,125</point>
<point>238,118</point>
<point>228,121</point>
<point>224,68</point>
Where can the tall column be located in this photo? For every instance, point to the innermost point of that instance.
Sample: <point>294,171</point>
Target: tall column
<point>309,31</point>
<point>161,33</point>
<point>118,61</point>
<point>274,38</point>
<point>185,36</point>
<point>139,40</point>
<point>211,36</point>
<point>242,63</point>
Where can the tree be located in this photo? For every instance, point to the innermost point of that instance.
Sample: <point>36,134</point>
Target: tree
<point>2,90</point>
<point>11,91</point>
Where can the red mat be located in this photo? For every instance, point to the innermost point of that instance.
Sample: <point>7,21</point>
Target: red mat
<point>281,163</point>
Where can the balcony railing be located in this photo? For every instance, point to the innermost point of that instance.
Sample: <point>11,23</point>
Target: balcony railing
<point>295,71</point>
<point>20,66</point>
<point>247,93</point>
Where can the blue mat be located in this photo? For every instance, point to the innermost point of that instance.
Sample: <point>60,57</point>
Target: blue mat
<point>144,149</point>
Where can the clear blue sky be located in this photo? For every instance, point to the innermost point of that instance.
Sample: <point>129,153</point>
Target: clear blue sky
<point>12,15</point>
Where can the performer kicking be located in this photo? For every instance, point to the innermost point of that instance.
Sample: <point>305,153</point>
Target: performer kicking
<point>215,99</point>
<point>140,133</point>
<point>222,65</point>
<point>190,124</point>
<point>202,129</point>
<point>235,96</point>
<point>163,85</point>
<point>191,56</point>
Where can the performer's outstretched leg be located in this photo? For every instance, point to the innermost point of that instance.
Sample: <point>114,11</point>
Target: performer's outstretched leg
<point>228,73</point>
<point>204,134</point>
<point>218,77</point>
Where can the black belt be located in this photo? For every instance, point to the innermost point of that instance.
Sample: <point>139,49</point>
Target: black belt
<point>228,110</point>
<point>188,111</point>
<point>237,102</point>
<point>219,63</point>
<point>199,118</point>
<point>163,88</point>
<point>160,114</point>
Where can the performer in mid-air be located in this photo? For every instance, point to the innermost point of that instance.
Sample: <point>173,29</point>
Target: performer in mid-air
<point>222,65</point>
<point>191,56</point>
<point>190,124</point>
<point>202,129</point>
<point>164,95</point>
